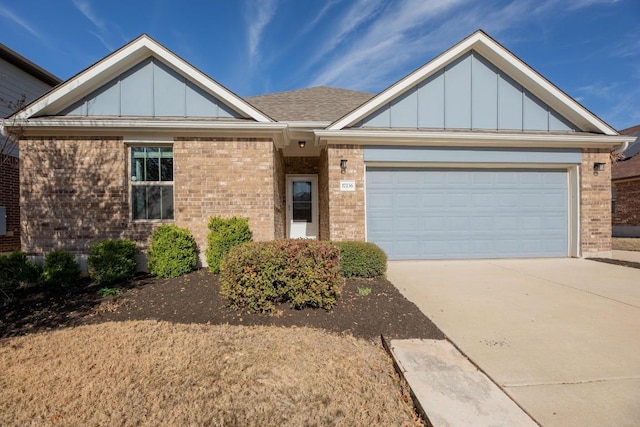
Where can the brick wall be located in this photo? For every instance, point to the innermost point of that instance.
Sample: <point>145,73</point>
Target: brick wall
<point>323,196</point>
<point>10,199</point>
<point>595,204</point>
<point>224,177</point>
<point>301,165</point>
<point>74,193</point>
<point>279,195</point>
<point>346,208</point>
<point>627,203</point>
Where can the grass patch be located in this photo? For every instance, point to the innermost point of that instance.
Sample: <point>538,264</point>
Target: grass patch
<point>625,244</point>
<point>159,373</point>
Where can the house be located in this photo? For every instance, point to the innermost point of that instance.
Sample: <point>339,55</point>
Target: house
<point>473,155</point>
<point>625,189</point>
<point>21,81</point>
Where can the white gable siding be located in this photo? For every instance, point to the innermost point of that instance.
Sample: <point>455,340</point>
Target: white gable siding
<point>469,93</point>
<point>151,89</point>
<point>16,83</point>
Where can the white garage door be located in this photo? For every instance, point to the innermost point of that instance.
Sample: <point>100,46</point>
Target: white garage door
<point>468,213</point>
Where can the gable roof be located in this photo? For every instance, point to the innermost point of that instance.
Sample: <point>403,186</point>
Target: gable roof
<point>24,64</point>
<point>629,166</point>
<point>85,82</point>
<point>504,60</point>
<point>634,147</point>
<point>321,104</point>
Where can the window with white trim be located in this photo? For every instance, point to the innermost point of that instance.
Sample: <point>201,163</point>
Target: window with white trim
<point>151,182</point>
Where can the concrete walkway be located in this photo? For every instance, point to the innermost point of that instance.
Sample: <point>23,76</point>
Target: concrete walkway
<point>560,336</point>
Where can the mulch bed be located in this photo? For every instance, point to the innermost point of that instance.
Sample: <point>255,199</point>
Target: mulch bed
<point>617,262</point>
<point>194,298</point>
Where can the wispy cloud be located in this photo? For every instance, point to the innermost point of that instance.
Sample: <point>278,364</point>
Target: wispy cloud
<point>19,21</point>
<point>103,30</point>
<point>258,19</point>
<point>85,8</point>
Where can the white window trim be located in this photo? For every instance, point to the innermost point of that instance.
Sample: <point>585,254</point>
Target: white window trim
<point>132,142</point>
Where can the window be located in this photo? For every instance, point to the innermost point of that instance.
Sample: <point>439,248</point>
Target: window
<point>152,182</point>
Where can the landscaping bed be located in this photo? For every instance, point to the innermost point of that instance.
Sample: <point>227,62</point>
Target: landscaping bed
<point>194,298</point>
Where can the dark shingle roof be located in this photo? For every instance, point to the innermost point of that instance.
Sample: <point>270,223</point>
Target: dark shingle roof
<point>323,104</point>
<point>630,166</point>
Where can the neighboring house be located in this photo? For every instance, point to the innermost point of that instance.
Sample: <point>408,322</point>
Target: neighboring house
<point>21,81</point>
<point>473,155</point>
<point>625,188</point>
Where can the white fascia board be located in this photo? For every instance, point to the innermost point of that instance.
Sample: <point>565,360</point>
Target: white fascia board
<point>401,86</point>
<point>479,139</point>
<point>120,127</point>
<point>504,60</point>
<point>540,86</point>
<point>114,64</point>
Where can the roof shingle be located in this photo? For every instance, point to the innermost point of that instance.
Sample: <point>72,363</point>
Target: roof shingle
<point>322,103</point>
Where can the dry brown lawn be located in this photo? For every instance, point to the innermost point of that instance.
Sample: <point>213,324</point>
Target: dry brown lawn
<point>625,244</point>
<point>159,373</point>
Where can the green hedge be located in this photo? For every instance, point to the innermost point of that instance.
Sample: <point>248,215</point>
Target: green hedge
<point>60,267</point>
<point>362,259</point>
<point>112,261</point>
<point>172,252</point>
<point>225,233</point>
<point>258,275</point>
<point>15,268</point>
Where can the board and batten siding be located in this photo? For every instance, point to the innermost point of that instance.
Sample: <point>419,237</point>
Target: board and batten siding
<point>469,93</point>
<point>151,89</point>
<point>15,84</point>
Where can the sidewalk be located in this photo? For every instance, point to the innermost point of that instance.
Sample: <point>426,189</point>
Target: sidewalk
<point>450,390</point>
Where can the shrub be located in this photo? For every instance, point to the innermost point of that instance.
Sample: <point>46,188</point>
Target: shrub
<point>225,233</point>
<point>362,259</point>
<point>60,267</point>
<point>112,261</point>
<point>259,275</point>
<point>16,268</point>
<point>172,252</point>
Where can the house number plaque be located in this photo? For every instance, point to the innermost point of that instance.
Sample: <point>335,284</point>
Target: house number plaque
<point>347,186</point>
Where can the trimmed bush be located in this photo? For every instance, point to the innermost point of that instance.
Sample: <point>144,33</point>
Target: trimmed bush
<point>112,261</point>
<point>15,268</point>
<point>225,233</point>
<point>362,259</point>
<point>60,267</point>
<point>259,275</point>
<point>172,252</point>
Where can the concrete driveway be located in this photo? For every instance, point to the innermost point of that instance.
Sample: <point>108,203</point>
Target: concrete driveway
<point>560,336</point>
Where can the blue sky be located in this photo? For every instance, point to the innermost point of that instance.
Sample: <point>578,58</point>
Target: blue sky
<point>588,48</point>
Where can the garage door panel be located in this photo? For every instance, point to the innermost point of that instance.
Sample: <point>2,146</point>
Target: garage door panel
<point>444,214</point>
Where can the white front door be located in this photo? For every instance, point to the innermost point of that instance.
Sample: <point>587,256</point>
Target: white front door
<point>302,206</point>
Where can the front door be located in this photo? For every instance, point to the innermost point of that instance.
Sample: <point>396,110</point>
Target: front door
<point>302,206</point>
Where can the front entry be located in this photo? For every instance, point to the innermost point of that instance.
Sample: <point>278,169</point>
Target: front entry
<point>302,206</point>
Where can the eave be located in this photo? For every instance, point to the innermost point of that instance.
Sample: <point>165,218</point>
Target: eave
<point>468,139</point>
<point>176,128</point>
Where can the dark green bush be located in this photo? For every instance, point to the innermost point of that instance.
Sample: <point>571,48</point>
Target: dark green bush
<point>259,275</point>
<point>112,261</point>
<point>225,233</point>
<point>172,252</point>
<point>60,267</point>
<point>15,268</point>
<point>362,259</point>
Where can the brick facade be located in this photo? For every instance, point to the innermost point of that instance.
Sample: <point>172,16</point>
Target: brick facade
<point>225,177</point>
<point>595,204</point>
<point>74,193</point>
<point>279,196</point>
<point>323,196</point>
<point>10,199</point>
<point>346,208</point>
<point>627,205</point>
